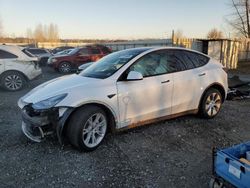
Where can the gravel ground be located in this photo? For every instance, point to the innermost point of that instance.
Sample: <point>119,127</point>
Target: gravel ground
<point>174,153</point>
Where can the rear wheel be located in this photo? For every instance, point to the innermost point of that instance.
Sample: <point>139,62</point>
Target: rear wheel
<point>87,128</point>
<point>65,67</point>
<point>211,103</point>
<point>12,81</point>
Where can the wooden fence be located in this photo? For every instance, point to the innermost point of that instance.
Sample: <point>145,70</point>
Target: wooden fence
<point>228,52</point>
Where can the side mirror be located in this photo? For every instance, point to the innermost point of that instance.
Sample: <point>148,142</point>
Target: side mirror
<point>134,75</point>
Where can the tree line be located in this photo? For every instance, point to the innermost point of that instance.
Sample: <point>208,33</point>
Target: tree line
<point>238,22</point>
<point>44,33</point>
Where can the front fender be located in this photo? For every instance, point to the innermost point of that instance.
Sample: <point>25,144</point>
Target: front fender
<point>61,124</point>
<point>62,121</point>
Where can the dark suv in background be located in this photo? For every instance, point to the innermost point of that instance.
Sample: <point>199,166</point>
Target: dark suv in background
<point>68,62</point>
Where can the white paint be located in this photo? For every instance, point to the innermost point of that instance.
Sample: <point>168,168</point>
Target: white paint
<point>134,101</point>
<point>22,63</point>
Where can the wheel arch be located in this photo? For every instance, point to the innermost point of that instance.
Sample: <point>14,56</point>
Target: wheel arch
<point>217,86</point>
<point>112,117</point>
<point>13,70</point>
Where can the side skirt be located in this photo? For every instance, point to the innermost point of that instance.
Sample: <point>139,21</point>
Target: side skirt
<point>142,123</point>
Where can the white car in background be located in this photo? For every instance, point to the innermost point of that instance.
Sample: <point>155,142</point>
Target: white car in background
<point>123,90</point>
<point>16,67</point>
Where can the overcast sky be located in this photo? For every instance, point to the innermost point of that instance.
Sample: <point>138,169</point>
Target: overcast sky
<point>113,19</point>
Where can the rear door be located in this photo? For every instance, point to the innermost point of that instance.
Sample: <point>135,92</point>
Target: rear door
<point>187,86</point>
<point>82,56</point>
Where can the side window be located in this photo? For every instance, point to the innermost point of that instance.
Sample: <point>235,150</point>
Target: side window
<point>197,59</point>
<point>36,51</point>
<point>95,51</point>
<point>151,64</point>
<point>105,50</point>
<point>184,58</point>
<point>6,55</point>
<point>84,51</point>
<point>176,61</point>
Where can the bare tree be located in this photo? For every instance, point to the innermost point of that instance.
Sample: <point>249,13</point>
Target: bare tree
<point>29,35</point>
<point>43,33</point>
<point>215,34</point>
<point>53,33</point>
<point>39,35</point>
<point>239,19</point>
<point>179,33</point>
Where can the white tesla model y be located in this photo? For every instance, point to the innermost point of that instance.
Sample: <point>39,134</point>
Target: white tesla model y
<point>125,89</point>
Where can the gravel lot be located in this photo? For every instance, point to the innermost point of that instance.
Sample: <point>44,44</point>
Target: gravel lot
<point>175,153</point>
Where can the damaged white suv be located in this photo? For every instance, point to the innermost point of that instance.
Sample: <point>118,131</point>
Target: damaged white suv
<point>17,67</point>
<point>125,89</point>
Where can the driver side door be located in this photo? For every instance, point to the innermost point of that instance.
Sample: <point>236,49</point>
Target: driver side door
<point>147,99</point>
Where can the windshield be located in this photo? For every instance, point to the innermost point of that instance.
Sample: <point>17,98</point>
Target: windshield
<point>108,65</point>
<point>64,52</point>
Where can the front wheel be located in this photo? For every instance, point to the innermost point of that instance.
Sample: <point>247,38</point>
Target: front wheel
<point>87,128</point>
<point>211,103</point>
<point>65,67</point>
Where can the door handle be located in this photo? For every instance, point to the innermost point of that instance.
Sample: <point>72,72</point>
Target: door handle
<point>202,74</point>
<point>166,81</point>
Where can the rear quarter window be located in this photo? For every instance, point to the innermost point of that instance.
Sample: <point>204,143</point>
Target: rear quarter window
<point>6,55</point>
<point>197,59</point>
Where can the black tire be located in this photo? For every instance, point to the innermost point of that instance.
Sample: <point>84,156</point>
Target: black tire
<point>215,184</point>
<point>77,124</point>
<point>12,81</point>
<point>65,67</point>
<point>210,103</point>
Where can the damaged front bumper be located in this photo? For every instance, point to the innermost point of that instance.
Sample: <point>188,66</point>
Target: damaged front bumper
<point>36,125</point>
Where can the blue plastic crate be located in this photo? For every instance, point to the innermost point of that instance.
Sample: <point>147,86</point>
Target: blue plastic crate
<point>228,166</point>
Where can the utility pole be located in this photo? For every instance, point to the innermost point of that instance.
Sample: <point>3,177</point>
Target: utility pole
<point>173,37</point>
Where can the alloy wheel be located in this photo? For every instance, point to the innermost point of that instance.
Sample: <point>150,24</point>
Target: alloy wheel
<point>65,67</point>
<point>213,104</point>
<point>13,82</point>
<point>94,130</point>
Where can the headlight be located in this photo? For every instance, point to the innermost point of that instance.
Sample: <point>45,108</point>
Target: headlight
<point>49,103</point>
<point>52,60</point>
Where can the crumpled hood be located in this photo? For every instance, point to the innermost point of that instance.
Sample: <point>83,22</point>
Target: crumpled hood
<point>57,86</point>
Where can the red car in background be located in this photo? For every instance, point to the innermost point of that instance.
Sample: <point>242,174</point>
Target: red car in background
<point>68,62</point>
